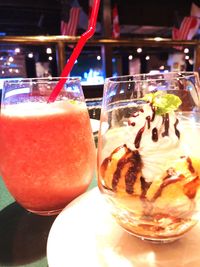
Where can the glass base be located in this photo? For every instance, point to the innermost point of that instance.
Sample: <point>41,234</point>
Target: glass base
<point>45,213</point>
<point>167,235</point>
<point>154,240</point>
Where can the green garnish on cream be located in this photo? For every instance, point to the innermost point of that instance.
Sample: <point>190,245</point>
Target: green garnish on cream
<point>163,102</point>
<point>73,101</point>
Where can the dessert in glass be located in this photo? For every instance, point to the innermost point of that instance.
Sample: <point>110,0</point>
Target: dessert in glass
<point>47,154</point>
<point>148,154</point>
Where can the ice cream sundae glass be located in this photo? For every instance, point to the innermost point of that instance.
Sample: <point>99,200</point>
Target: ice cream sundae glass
<point>148,154</point>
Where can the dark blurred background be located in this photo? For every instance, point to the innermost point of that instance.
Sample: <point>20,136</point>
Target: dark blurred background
<point>137,19</point>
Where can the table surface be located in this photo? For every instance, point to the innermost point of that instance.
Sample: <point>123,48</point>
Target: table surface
<point>23,235</point>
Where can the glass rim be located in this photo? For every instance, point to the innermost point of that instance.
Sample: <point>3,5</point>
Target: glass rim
<point>119,79</point>
<point>41,80</point>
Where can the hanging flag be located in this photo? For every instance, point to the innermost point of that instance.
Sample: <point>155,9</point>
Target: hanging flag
<point>195,12</point>
<point>70,23</point>
<point>188,29</point>
<point>84,18</point>
<point>189,26</point>
<point>116,27</point>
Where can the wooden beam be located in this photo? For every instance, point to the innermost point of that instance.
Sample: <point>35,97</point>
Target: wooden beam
<point>60,57</point>
<point>197,59</point>
<point>146,42</point>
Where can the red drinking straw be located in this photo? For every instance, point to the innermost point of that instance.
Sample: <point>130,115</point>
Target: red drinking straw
<point>77,50</point>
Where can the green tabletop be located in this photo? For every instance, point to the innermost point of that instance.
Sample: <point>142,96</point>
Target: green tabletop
<point>23,235</point>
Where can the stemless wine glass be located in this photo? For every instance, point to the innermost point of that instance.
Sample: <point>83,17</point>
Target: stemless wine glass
<point>148,154</point>
<point>47,154</point>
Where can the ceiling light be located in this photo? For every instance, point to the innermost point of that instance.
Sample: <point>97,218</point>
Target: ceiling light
<point>191,61</point>
<point>50,57</point>
<point>157,39</point>
<point>49,50</point>
<point>147,57</point>
<point>30,55</point>
<point>186,50</point>
<point>17,50</point>
<point>10,59</point>
<point>98,57</point>
<point>139,50</point>
<point>130,57</point>
<point>187,57</point>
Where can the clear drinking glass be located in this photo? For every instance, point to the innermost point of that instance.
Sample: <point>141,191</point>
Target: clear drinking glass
<point>148,154</point>
<point>47,154</point>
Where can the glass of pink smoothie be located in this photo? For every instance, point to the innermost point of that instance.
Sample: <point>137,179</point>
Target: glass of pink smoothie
<point>47,155</point>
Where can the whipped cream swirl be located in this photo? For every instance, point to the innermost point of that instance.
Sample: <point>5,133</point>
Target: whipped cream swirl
<point>156,137</point>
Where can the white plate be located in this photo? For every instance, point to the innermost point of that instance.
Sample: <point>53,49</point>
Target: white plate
<point>95,124</point>
<point>85,234</point>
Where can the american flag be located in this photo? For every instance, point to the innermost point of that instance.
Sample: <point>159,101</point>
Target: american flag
<point>188,27</point>
<point>187,30</point>
<point>116,27</point>
<point>70,27</point>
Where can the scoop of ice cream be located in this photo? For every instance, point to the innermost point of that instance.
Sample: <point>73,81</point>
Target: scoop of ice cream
<point>121,171</point>
<point>174,192</point>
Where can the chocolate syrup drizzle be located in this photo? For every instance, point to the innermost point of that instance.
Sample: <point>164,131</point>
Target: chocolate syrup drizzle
<point>166,182</point>
<point>153,112</point>
<point>155,134</point>
<point>175,128</point>
<point>190,166</point>
<point>117,174</point>
<point>149,119</point>
<point>166,125</point>
<point>107,160</point>
<point>190,189</point>
<point>134,169</point>
<point>144,186</point>
<point>139,137</point>
<point>132,158</point>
